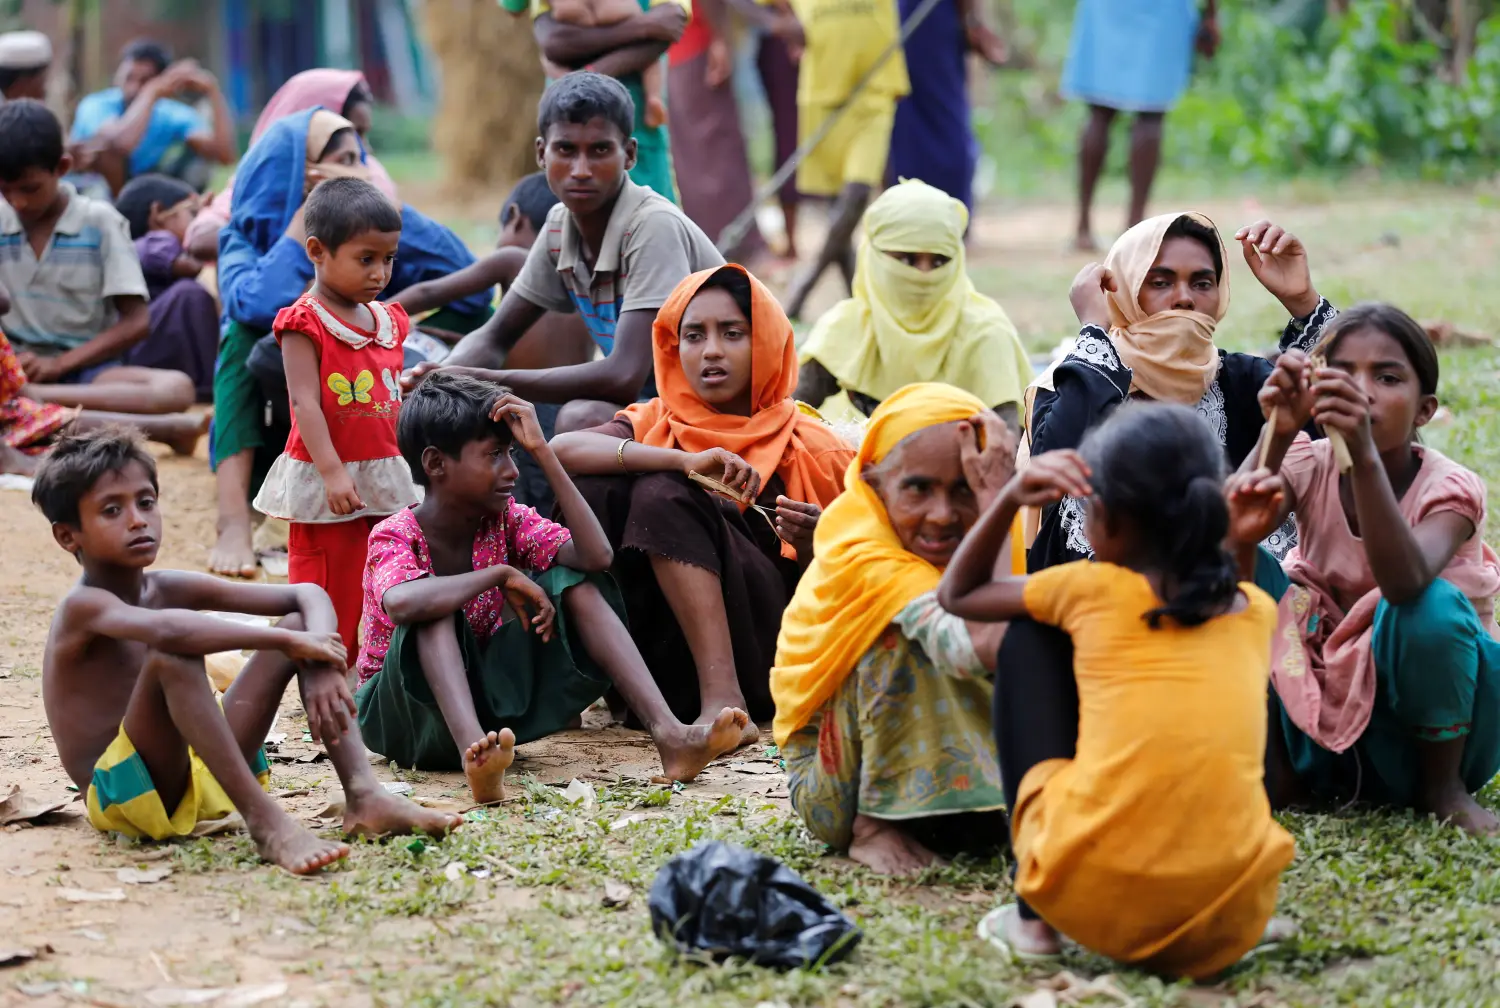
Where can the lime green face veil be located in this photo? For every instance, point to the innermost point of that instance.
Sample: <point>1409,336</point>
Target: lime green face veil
<point>903,325</point>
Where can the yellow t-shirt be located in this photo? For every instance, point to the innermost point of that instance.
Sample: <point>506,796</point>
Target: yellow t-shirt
<point>1155,844</point>
<point>844,39</point>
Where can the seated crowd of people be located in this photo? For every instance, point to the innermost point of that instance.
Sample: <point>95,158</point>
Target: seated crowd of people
<point>1110,617</point>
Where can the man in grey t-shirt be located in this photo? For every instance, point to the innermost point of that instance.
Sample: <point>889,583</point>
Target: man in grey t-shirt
<point>613,251</point>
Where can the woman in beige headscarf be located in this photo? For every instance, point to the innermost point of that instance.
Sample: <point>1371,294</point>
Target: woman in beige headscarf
<point>1148,316</point>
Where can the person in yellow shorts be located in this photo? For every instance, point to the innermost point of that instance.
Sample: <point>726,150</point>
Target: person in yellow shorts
<point>127,693</point>
<point>845,40</point>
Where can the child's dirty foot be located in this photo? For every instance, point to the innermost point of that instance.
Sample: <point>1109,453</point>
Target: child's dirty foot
<point>485,764</point>
<point>886,850</point>
<point>182,433</point>
<point>233,555</point>
<point>1458,808</point>
<point>294,847</point>
<point>656,112</point>
<point>685,754</point>
<point>713,713</point>
<point>380,813</point>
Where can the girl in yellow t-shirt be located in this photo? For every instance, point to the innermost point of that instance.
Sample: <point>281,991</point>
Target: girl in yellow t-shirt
<point>1130,704</point>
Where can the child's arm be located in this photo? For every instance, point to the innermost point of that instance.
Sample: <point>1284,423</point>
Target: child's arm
<point>499,267</point>
<point>192,590</point>
<point>589,549</point>
<point>186,265</point>
<point>1403,559</point>
<point>1286,401</point>
<point>969,587</point>
<point>187,632</point>
<point>300,355</point>
<point>423,600</point>
<point>1257,503</point>
<point>485,348</point>
<point>131,326</point>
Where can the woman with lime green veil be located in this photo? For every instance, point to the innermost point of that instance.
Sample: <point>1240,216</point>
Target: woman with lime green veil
<point>915,315</point>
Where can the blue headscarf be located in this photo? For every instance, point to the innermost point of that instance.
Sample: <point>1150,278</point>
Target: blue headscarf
<point>255,284</point>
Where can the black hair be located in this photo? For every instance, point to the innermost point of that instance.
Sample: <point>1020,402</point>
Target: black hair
<point>147,51</point>
<point>1400,327</point>
<point>78,461</point>
<point>33,138</point>
<point>339,209</point>
<point>359,94</point>
<point>1191,227</point>
<point>333,141</point>
<point>583,95</point>
<point>447,411</point>
<point>531,197</point>
<point>1159,467</point>
<point>733,280</point>
<point>135,200</point>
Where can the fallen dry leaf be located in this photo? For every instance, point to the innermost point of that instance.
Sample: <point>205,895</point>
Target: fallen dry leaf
<point>242,996</point>
<point>755,767</point>
<point>232,823</point>
<point>455,871</point>
<point>90,895</point>
<point>17,807</point>
<point>143,876</point>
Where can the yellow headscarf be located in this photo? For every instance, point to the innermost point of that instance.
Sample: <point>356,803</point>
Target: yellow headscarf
<point>903,325</point>
<point>1171,354</point>
<point>861,576</point>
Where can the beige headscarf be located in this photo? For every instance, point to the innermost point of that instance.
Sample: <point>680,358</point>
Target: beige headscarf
<point>1172,353</point>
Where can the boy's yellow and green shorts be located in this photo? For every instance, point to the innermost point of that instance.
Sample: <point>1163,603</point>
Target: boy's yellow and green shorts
<point>122,798</point>
<point>854,151</point>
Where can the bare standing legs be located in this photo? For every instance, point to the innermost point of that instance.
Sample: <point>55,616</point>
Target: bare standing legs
<point>1093,150</point>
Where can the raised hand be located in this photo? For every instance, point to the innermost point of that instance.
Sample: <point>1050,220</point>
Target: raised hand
<point>1279,261</point>
<point>987,452</point>
<point>1090,294</point>
<point>726,467</point>
<point>520,416</point>
<point>1287,396</point>
<point>1051,476</point>
<point>1339,406</point>
<point>1256,503</point>
<point>528,599</point>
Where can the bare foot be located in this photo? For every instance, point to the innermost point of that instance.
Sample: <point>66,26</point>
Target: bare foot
<point>377,812</point>
<point>713,713</point>
<point>182,432</point>
<point>16,463</point>
<point>485,764</point>
<point>284,842</point>
<point>886,850</point>
<point>1084,242</point>
<point>656,112</point>
<point>232,555</point>
<point>1028,939</point>
<point>1456,806</point>
<point>686,751</point>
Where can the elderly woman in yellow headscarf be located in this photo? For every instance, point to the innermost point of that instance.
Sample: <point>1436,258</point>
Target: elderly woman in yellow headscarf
<point>882,698</point>
<point>915,315</point>
<point>1148,318</point>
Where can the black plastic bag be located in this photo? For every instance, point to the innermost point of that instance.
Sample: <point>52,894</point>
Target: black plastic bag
<point>725,900</point>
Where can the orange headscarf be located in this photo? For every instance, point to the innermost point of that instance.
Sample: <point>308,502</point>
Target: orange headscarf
<point>777,437</point>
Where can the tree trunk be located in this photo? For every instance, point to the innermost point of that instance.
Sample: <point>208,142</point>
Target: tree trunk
<point>491,80</point>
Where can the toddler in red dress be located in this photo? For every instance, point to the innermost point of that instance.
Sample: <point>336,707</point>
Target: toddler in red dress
<point>341,471</point>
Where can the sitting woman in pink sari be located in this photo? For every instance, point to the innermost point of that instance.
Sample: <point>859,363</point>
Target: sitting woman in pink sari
<point>344,91</point>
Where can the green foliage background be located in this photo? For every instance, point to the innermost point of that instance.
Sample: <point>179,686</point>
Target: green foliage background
<point>1291,90</point>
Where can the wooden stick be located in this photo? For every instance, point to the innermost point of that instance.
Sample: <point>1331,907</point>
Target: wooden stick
<point>1335,439</point>
<point>1267,433</point>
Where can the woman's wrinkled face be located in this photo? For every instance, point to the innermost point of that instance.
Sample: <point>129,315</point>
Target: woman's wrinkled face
<point>928,500</point>
<point>924,261</point>
<point>1183,278</point>
<point>713,343</point>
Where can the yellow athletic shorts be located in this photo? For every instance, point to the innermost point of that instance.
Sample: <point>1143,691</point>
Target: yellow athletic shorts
<point>854,151</point>
<point>122,797</point>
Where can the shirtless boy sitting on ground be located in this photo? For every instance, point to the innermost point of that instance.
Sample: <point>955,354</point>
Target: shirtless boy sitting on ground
<point>127,696</point>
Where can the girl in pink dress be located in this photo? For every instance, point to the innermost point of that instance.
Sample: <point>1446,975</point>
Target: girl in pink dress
<point>1385,663</point>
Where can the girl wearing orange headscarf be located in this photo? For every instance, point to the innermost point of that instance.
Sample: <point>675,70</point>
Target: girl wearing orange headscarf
<point>706,578</point>
<point>1148,318</point>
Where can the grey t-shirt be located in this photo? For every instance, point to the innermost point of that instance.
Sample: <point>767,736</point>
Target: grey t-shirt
<point>649,247</point>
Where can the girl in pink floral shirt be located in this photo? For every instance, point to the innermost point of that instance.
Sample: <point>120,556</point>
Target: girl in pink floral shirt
<point>449,677</point>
